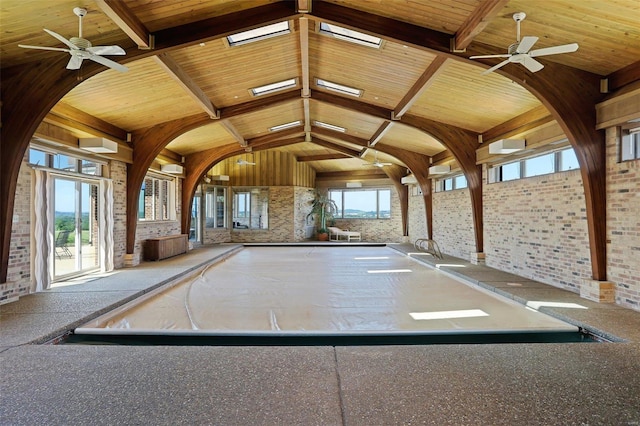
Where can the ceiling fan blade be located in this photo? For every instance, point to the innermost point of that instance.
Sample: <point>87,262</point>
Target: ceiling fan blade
<point>505,55</point>
<point>74,63</point>
<point>565,48</point>
<point>62,39</point>
<point>108,63</point>
<point>106,50</point>
<point>495,67</point>
<point>526,44</point>
<point>531,64</point>
<point>57,49</point>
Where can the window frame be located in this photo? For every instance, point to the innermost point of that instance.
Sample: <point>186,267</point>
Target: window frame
<point>341,203</point>
<point>159,192</point>
<point>496,173</point>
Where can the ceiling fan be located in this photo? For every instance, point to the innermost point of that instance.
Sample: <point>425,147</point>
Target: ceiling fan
<point>520,52</point>
<point>80,48</point>
<point>243,162</point>
<point>376,162</point>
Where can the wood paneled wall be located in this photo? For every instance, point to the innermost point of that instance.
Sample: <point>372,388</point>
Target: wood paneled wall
<point>272,168</point>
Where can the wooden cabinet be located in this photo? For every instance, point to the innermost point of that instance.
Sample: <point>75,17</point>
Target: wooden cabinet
<point>164,247</point>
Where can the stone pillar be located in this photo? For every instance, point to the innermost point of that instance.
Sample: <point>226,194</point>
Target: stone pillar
<point>598,291</point>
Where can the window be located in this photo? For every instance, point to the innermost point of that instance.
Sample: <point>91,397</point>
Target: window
<point>551,162</point>
<point>630,145</point>
<point>54,160</point>
<point>251,208</point>
<point>350,35</point>
<point>335,87</point>
<point>274,87</point>
<point>451,183</point>
<point>215,207</point>
<point>374,203</point>
<point>261,33</point>
<point>156,199</point>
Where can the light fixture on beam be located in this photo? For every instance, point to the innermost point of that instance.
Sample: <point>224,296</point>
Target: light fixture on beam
<point>174,169</point>
<point>409,180</point>
<point>439,170</point>
<point>98,145</point>
<point>354,184</point>
<point>506,146</point>
<point>220,177</point>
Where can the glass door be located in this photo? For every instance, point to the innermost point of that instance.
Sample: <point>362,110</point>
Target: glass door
<point>195,231</point>
<point>75,228</point>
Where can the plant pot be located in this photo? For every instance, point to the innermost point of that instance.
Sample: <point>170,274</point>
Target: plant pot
<point>323,237</point>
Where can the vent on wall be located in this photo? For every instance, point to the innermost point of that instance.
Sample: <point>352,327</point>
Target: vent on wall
<point>175,169</point>
<point>506,146</point>
<point>98,145</point>
<point>438,170</point>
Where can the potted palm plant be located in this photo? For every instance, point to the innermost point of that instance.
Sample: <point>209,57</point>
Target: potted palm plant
<point>325,208</point>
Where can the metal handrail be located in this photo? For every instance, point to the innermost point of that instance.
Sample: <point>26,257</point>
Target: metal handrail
<point>428,246</point>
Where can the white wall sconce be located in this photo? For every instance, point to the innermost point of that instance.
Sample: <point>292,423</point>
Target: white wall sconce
<point>98,145</point>
<point>174,169</point>
<point>439,170</point>
<point>506,146</point>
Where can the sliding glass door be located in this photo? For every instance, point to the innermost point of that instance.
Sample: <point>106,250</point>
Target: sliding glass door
<point>75,227</point>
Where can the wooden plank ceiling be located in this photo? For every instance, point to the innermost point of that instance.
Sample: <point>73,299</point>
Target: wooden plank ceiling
<point>213,76</point>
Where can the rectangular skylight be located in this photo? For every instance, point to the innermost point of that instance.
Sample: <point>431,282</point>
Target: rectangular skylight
<point>273,87</point>
<point>285,126</point>
<point>338,88</point>
<point>329,126</point>
<point>350,35</point>
<point>261,33</point>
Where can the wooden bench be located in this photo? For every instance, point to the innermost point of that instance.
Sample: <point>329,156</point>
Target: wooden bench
<point>164,247</point>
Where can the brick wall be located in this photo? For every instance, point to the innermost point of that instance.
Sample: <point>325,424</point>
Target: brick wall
<point>537,228</point>
<point>453,222</point>
<point>281,219</point>
<point>19,268</point>
<point>623,224</point>
<point>417,215</point>
<point>118,173</point>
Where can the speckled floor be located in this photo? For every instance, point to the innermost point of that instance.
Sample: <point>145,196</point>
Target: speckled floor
<point>492,384</point>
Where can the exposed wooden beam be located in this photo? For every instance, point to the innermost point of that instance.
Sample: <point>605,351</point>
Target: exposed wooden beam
<point>442,156</point>
<point>335,147</point>
<point>171,155</point>
<point>351,174</point>
<point>258,104</point>
<point>476,22</point>
<point>293,131</point>
<point>176,72</point>
<point>379,133</point>
<point>523,122</point>
<point>127,21</point>
<point>82,121</point>
<point>624,76</point>
<point>233,132</point>
<point>303,6</point>
<point>304,56</point>
<point>423,83</point>
<point>322,157</point>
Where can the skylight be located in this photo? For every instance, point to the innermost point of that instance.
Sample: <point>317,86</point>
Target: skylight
<point>329,126</point>
<point>350,35</point>
<point>346,90</point>
<point>285,126</point>
<point>273,87</point>
<point>261,33</point>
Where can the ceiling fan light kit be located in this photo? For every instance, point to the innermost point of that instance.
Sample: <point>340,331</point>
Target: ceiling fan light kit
<point>520,52</point>
<point>506,146</point>
<point>80,48</point>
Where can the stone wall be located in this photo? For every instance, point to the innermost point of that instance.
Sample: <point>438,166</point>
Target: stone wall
<point>537,228</point>
<point>417,215</point>
<point>118,173</point>
<point>623,224</point>
<point>453,222</point>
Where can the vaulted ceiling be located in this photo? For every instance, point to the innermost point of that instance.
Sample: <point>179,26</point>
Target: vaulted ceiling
<point>190,70</point>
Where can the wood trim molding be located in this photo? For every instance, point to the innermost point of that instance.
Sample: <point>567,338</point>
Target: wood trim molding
<point>375,138</point>
<point>87,123</point>
<point>522,123</point>
<point>418,88</point>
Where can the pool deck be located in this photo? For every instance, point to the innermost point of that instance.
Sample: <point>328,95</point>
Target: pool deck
<point>492,384</point>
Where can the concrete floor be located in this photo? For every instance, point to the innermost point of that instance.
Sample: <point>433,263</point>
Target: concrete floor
<point>493,384</point>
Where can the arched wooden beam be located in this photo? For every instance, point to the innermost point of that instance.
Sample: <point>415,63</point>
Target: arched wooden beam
<point>28,93</point>
<point>460,142</point>
<point>197,165</point>
<point>571,96</point>
<point>396,173</point>
<point>147,144</point>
